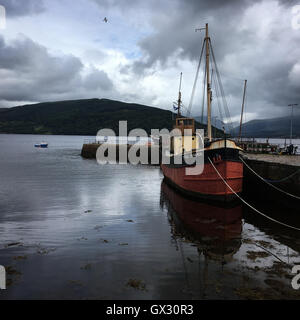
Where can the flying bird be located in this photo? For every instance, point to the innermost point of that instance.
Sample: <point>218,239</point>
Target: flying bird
<point>105,20</point>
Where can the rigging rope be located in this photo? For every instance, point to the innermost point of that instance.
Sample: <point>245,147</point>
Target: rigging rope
<point>195,82</point>
<point>218,97</point>
<point>230,126</point>
<point>268,183</point>
<point>249,205</point>
<point>220,87</point>
<point>203,98</point>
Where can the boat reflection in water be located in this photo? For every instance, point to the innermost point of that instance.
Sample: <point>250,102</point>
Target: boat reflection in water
<point>215,230</point>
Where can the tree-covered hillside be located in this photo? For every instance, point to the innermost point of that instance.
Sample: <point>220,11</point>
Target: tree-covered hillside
<point>82,117</point>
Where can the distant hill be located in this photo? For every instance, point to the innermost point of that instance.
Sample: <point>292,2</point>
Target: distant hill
<point>3,109</point>
<point>82,117</point>
<point>270,128</point>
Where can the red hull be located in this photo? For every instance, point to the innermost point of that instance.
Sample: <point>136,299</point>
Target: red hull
<point>208,184</point>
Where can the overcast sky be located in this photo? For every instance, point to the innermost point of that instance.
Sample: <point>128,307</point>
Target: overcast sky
<point>62,49</point>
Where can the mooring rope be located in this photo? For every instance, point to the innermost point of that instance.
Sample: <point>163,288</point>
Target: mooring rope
<point>271,253</point>
<point>249,205</point>
<point>274,255</point>
<point>268,183</point>
<point>284,179</point>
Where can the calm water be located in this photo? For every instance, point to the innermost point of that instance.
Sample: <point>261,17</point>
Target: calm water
<point>72,229</point>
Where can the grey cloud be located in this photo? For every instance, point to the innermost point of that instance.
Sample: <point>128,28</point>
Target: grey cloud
<point>265,62</point>
<point>98,79</point>
<point>30,73</point>
<point>130,4</point>
<point>175,29</point>
<point>22,7</point>
<point>24,55</point>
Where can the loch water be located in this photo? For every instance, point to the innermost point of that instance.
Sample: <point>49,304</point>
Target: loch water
<point>73,229</point>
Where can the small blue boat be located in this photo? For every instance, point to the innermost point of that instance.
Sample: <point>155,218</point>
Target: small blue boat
<point>42,145</point>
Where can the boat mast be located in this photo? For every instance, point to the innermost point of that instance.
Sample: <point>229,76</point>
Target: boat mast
<point>243,106</point>
<point>207,39</point>
<point>291,135</point>
<point>179,98</point>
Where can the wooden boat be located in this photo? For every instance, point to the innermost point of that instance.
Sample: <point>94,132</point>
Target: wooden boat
<point>222,166</point>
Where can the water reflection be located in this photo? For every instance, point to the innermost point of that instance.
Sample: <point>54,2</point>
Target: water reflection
<point>215,230</point>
